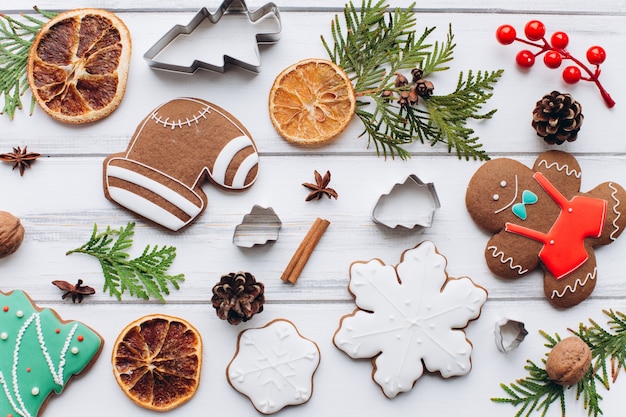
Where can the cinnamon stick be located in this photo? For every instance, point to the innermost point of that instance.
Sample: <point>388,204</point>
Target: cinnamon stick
<point>304,251</point>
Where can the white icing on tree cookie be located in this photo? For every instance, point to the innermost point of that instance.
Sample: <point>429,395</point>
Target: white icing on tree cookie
<point>274,366</point>
<point>410,316</point>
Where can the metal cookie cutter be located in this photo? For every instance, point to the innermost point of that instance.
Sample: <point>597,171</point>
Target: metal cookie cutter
<point>257,228</point>
<point>231,35</point>
<point>509,334</point>
<point>411,204</point>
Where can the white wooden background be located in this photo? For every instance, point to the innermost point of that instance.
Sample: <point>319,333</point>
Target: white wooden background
<point>61,197</point>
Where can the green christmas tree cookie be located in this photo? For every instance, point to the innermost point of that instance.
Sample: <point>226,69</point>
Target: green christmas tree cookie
<point>39,353</point>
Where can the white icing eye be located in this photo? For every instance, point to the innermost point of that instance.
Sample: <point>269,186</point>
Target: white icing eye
<point>496,197</point>
<point>503,184</point>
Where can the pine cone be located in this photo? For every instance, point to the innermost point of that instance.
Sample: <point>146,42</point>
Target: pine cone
<point>557,118</point>
<point>238,297</point>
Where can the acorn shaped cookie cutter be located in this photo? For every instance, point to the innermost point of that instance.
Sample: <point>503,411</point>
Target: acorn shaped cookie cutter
<point>231,35</point>
<point>409,205</point>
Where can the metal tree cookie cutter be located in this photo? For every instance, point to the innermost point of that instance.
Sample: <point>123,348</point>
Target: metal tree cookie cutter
<point>509,334</point>
<point>258,227</point>
<point>231,35</point>
<point>411,205</point>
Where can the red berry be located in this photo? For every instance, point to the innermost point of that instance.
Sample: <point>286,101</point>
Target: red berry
<point>534,30</point>
<point>525,58</point>
<point>559,40</point>
<point>552,59</point>
<point>596,55</point>
<point>571,74</point>
<point>506,34</point>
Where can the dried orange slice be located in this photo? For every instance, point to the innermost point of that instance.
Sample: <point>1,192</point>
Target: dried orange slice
<point>78,65</point>
<point>311,102</point>
<point>157,360</point>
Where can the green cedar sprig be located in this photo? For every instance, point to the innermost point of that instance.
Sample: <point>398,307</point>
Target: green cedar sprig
<point>16,39</point>
<point>142,277</point>
<point>535,393</point>
<point>607,346</point>
<point>371,46</point>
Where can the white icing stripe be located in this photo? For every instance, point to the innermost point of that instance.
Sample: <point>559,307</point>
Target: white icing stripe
<point>498,253</point>
<point>568,170</point>
<point>590,276</point>
<point>225,157</point>
<point>7,393</point>
<point>147,208</point>
<point>244,169</point>
<point>618,214</point>
<point>154,186</point>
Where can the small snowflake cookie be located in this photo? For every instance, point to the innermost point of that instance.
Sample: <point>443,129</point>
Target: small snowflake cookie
<point>408,317</point>
<point>539,217</point>
<point>274,366</point>
<point>39,354</point>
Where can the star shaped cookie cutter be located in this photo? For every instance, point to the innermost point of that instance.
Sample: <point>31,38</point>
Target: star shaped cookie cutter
<point>210,41</point>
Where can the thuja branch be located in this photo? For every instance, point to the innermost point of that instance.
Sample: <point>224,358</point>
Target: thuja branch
<point>143,277</point>
<point>373,45</point>
<point>16,38</point>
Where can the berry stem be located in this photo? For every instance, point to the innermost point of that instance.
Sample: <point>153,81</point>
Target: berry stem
<point>593,77</point>
<point>545,46</point>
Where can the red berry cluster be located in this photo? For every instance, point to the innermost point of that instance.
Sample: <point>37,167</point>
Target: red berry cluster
<point>554,53</point>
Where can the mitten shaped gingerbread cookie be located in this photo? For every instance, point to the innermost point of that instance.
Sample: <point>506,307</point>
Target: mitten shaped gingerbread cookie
<point>174,150</point>
<point>539,216</point>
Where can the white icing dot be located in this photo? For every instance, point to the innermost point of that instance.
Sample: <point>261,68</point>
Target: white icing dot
<point>19,313</point>
<point>570,210</point>
<point>4,335</point>
<point>74,350</point>
<point>552,242</point>
<point>35,391</point>
<point>502,184</point>
<point>496,197</point>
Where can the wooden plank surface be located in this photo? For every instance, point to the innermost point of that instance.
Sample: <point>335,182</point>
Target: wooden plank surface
<point>61,198</point>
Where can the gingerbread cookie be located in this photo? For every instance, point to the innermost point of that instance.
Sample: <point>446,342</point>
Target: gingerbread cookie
<point>408,317</point>
<point>39,354</point>
<point>539,216</point>
<point>174,150</point>
<point>274,366</point>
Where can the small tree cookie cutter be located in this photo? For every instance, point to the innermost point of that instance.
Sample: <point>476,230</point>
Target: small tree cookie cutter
<point>258,227</point>
<point>410,205</point>
<point>231,35</point>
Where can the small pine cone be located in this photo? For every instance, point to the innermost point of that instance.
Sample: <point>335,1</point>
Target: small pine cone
<point>238,297</point>
<point>557,118</point>
<point>424,88</point>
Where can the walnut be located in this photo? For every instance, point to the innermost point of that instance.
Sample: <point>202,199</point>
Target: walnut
<point>11,233</point>
<point>569,361</point>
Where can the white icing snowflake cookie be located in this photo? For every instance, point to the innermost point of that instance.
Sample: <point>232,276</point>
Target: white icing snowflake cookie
<point>409,316</point>
<point>274,366</point>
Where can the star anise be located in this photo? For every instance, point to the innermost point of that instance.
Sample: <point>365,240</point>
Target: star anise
<point>320,188</point>
<point>21,159</point>
<point>77,292</point>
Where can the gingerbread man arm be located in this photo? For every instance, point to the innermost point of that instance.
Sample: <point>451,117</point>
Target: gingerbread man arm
<point>561,169</point>
<point>615,221</point>
<point>511,256</point>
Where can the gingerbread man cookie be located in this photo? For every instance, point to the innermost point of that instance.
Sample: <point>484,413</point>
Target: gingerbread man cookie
<point>539,216</point>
